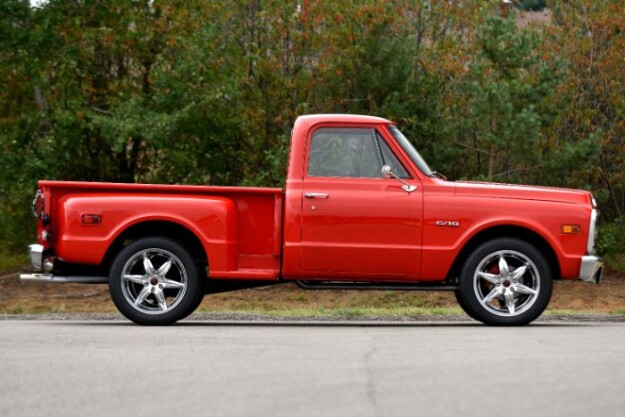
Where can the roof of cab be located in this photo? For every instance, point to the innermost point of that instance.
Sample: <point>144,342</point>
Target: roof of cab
<point>312,119</point>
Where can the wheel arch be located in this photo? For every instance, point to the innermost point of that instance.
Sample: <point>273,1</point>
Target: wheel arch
<point>510,231</point>
<point>161,228</point>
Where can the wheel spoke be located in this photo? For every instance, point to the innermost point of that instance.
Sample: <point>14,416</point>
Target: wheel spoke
<point>164,269</point>
<point>494,293</point>
<point>503,267</point>
<point>492,278</point>
<point>523,289</point>
<point>509,297</point>
<point>138,279</point>
<point>160,297</point>
<point>170,283</point>
<point>519,272</point>
<point>147,265</point>
<point>145,291</point>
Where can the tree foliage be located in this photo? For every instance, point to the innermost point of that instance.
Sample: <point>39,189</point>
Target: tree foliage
<point>205,92</point>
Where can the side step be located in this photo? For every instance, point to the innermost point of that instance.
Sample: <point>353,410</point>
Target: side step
<point>62,280</point>
<point>384,286</point>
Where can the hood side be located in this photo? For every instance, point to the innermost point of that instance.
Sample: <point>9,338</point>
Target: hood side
<point>522,192</point>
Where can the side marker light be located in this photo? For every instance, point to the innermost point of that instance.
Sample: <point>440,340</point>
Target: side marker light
<point>570,229</point>
<point>91,219</point>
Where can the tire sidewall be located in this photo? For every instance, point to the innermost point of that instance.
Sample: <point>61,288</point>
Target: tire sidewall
<point>470,302</point>
<point>190,300</point>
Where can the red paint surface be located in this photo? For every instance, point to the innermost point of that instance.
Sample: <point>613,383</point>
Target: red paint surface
<point>368,228</point>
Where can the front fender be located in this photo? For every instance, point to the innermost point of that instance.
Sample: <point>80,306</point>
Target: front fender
<point>472,216</point>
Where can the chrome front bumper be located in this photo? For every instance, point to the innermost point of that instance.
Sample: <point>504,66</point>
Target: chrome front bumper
<point>591,269</point>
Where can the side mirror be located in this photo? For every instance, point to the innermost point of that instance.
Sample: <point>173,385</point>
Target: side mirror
<point>387,173</point>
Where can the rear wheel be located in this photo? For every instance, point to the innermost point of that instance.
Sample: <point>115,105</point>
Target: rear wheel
<point>505,282</point>
<point>155,281</point>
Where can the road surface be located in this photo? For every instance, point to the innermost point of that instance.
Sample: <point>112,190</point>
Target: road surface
<point>113,368</point>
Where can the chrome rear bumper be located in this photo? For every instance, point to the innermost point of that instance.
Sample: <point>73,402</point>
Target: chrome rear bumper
<point>591,269</point>
<point>36,255</point>
<point>43,266</point>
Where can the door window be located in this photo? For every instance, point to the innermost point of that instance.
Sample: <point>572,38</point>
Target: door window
<point>351,152</point>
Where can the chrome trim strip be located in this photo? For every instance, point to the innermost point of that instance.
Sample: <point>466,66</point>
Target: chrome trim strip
<point>62,280</point>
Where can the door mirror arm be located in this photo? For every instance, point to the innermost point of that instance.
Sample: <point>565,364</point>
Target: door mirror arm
<point>387,173</point>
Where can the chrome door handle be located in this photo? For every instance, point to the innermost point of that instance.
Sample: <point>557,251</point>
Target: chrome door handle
<point>316,195</point>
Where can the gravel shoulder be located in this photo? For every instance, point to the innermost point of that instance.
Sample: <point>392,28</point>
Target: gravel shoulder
<point>243,318</point>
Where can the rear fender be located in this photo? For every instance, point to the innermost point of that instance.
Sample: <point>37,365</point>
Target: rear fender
<point>211,219</point>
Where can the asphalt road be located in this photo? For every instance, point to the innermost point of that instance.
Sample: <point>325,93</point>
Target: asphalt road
<point>112,368</point>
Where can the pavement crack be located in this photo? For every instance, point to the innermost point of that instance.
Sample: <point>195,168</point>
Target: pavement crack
<point>370,385</point>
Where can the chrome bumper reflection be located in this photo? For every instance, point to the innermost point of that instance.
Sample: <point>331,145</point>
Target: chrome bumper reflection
<point>591,269</point>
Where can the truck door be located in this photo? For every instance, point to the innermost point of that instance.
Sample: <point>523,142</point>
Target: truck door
<point>355,223</point>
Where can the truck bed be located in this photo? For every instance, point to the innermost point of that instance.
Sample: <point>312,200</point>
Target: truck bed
<point>239,227</point>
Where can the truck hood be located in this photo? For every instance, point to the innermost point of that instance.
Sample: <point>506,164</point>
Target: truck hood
<point>522,192</point>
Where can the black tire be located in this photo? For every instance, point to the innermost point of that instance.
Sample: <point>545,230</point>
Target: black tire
<point>512,292</point>
<point>151,292</point>
<point>462,305</point>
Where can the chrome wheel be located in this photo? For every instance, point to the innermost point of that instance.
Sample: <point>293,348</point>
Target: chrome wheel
<point>154,281</point>
<point>506,283</point>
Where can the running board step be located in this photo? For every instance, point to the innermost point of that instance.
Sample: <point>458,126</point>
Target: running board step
<point>383,286</point>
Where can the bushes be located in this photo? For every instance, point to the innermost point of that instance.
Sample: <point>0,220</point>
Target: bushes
<point>611,243</point>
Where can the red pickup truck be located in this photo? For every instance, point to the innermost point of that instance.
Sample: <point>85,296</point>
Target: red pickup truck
<point>361,210</point>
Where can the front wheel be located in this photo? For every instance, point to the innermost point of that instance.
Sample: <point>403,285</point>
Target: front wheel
<point>155,281</point>
<point>505,282</point>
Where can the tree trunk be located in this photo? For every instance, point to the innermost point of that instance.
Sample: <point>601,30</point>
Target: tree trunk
<point>491,162</point>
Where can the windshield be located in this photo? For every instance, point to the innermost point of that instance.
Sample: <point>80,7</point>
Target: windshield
<point>411,151</point>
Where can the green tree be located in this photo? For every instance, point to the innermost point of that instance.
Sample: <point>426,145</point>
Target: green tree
<point>205,92</point>
<point>495,118</point>
<point>533,5</point>
<point>590,131</point>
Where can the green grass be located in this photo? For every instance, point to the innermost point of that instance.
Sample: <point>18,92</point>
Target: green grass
<point>21,308</point>
<point>18,309</point>
<point>350,312</point>
<point>565,312</point>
